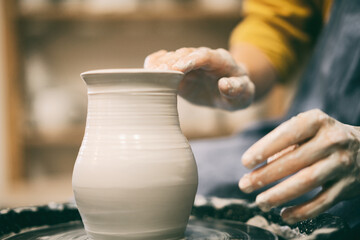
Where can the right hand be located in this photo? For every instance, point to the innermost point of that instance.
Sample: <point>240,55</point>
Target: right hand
<point>212,77</point>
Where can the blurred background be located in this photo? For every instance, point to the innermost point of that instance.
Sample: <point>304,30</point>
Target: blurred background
<point>46,44</point>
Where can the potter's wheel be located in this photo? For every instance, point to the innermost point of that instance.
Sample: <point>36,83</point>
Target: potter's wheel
<point>63,222</point>
<point>196,230</point>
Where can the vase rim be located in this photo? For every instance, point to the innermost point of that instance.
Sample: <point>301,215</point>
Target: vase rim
<point>128,71</point>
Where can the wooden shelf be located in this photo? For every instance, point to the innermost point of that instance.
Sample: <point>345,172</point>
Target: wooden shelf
<point>38,191</point>
<point>83,13</point>
<point>70,137</point>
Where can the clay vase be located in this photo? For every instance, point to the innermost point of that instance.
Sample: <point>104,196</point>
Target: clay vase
<point>135,176</point>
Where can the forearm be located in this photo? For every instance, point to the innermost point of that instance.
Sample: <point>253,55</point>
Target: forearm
<point>260,70</point>
<point>274,37</point>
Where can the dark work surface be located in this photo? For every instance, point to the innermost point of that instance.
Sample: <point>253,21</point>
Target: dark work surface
<point>196,230</point>
<point>13,221</point>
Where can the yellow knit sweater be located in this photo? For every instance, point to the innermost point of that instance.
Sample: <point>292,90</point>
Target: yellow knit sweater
<point>284,30</point>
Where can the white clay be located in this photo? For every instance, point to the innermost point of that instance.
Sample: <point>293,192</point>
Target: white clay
<point>135,176</point>
<point>283,231</point>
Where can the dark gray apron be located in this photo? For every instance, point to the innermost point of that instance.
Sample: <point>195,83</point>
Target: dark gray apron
<point>331,82</point>
<point>332,79</point>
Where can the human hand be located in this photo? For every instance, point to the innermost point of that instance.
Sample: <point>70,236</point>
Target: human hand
<point>212,77</point>
<point>319,150</point>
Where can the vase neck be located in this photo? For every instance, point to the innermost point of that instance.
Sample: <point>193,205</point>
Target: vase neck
<point>133,109</point>
<point>132,98</point>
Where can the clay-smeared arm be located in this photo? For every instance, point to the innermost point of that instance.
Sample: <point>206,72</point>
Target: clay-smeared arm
<point>319,151</point>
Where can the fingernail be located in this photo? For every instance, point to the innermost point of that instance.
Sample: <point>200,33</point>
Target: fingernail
<point>234,87</point>
<point>225,84</point>
<point>246,158</point>
<point>245,184</point>
<point>146,62</point>
<point>262,202</point>
<point>183,66</point>
<point>234,83</point>
<point>285,213</point>
<point>163,66</point>
<point>250,161</point>
<point>290,220</point>
<point>180,65</point>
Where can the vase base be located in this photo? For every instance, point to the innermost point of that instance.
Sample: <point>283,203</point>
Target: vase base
<point>175,234</point>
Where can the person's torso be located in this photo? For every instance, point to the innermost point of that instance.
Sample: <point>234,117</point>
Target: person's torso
<point>331,80</point>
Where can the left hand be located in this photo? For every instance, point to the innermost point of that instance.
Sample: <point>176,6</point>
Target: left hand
<point>212,77</point>
<point>319,151</point>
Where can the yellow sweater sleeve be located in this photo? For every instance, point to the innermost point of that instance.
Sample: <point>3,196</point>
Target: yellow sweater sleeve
<point>284,30</point>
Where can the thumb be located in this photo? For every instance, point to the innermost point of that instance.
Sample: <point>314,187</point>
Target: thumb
<point>236,92</point>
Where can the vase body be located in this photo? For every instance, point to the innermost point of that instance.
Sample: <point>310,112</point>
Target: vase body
<point>135,176</point>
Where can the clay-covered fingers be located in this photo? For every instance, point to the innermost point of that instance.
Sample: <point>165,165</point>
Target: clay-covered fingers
<point>165,60</point>
<point>152,61</point>
<point>324,200</point>
<point>332,193</point>
<point>236,92</point>
<point>291,160</point>
<point>294,131</point>
<point>183,59</point>
<point>310,209</point>
<point>219,61</point>
<point>314,150</point>
<point>302,182</point>
<point>212,77</point>
<point>192,60</point>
